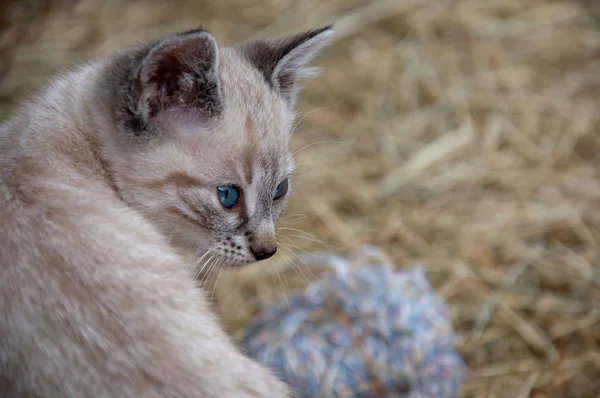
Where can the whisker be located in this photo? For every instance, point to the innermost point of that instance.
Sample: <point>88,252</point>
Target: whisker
<point>196,268</point>
<point>297,230</point>
<point>295,216</point>
<point>197,263</point>
<point>308,113</point>
<point>194,264</point>
<point>291,243</point>
<point>205,277</point>
<point>211,274</point>
<point>296,267</point>
<point>201,269</point>
<point>213,270</point>
<point>214,289</point>
<point>317,143</point>
<point>282,289</point>
<point>305,238</point>
<point>327,170</point>
<point>295,220</point>
<point>309,238</point>
<point>319,174</point>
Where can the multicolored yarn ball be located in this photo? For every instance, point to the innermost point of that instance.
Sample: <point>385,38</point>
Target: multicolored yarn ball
<point>362,331</point>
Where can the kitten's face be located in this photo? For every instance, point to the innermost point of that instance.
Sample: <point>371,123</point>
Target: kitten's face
<point>219,189</point>
<point>214,173</point>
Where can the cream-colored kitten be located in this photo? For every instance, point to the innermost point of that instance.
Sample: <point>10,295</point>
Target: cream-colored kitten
<point>103,177</point>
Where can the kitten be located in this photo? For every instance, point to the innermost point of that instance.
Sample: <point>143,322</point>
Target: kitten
<point>104,177</point>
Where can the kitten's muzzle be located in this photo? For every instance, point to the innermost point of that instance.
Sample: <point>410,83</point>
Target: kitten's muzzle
<point>263,242</point>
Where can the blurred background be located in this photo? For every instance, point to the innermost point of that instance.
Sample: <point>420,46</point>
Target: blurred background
<point>459,134</point>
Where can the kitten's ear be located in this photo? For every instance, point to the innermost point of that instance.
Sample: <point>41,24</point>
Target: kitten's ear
<point>284,61</point>
<point>180,73</point>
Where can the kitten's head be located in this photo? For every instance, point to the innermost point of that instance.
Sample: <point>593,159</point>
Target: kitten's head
<point>199,138</point>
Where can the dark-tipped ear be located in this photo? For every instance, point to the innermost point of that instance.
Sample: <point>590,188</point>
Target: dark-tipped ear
<point>284,61</point>
<point>180,73</point>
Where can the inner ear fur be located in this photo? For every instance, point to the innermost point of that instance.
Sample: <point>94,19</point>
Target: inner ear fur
<point>180,73</point>
<point>283,62</point>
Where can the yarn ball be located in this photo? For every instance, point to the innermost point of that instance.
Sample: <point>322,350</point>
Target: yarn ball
<point>362,331</point>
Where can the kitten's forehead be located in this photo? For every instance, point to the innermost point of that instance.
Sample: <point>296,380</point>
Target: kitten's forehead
<point>250,141</point>
<point>256,120</point>
<point>247,94</point>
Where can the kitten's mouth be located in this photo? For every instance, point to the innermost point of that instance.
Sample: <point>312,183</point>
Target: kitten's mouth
<point>226,261</point>
<point>231,253</point>
<point>229,258</point>
<point>231,263</point>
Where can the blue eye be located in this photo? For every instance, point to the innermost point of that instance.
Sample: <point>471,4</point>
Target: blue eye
<point>228,195</point>
<point>281,189</point>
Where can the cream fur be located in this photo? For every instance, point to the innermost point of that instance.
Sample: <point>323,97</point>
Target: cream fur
<point>95,297</point>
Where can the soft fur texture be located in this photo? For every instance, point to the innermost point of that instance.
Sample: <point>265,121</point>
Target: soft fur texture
<point>104,177</point>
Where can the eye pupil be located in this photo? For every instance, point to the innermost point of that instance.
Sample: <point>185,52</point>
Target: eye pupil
<point>228,195</point>
<point>281,189</point>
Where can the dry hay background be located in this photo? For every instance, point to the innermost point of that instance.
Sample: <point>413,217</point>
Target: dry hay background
<point>459,134</point>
